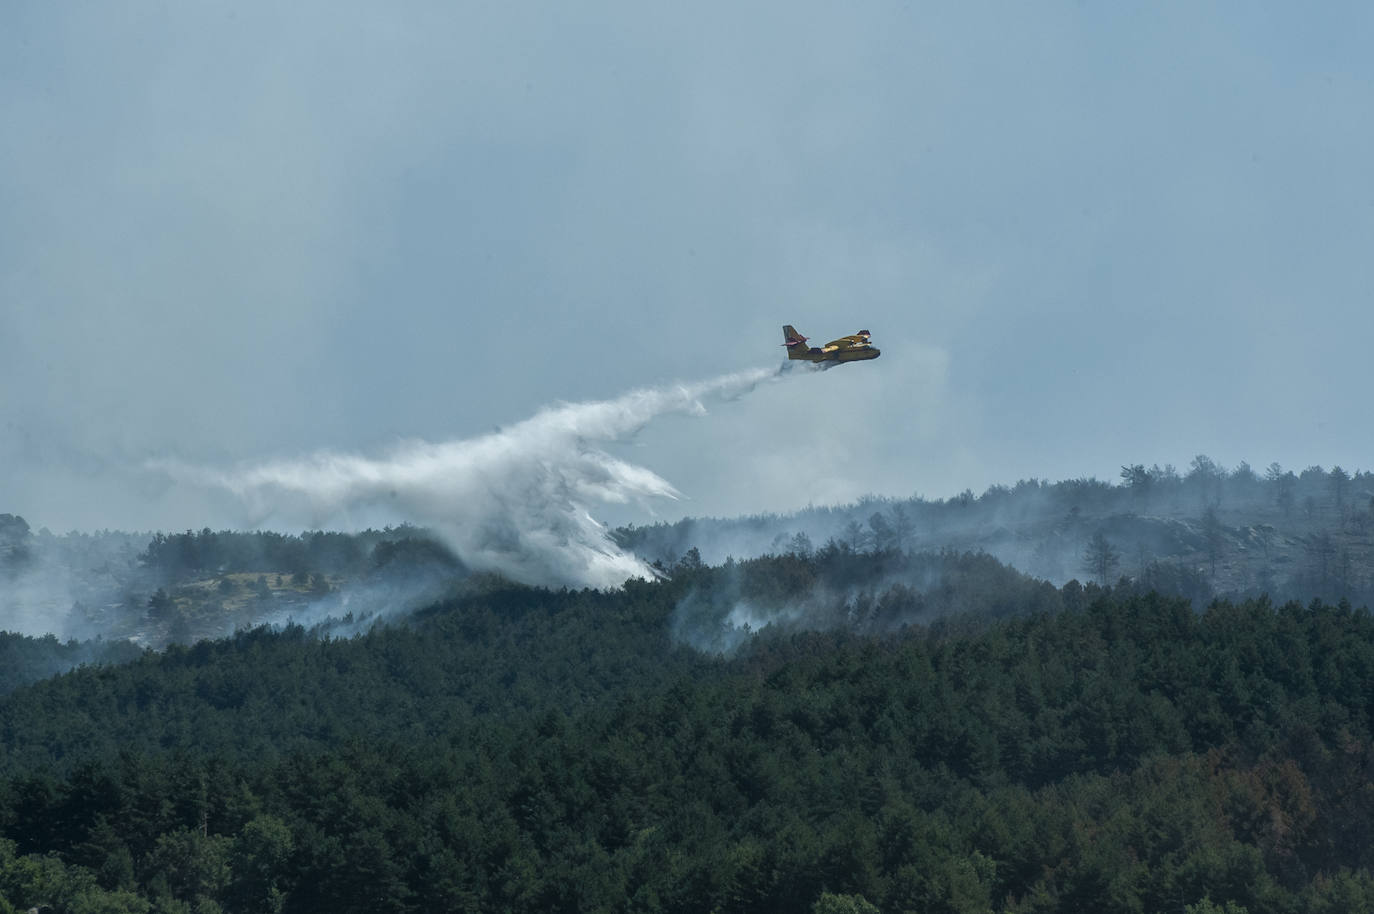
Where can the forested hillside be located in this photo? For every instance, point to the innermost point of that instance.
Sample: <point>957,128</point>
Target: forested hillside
<point>900,705</point>
<point>1202,533</point>
<point>942,734</point>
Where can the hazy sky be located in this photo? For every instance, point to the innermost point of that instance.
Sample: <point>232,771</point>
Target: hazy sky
<point>1084,235</point>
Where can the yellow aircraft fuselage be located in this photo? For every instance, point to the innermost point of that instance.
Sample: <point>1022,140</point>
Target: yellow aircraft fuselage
<point>854,348</point>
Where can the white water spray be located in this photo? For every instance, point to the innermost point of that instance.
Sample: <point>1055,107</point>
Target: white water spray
<point>517,501</point>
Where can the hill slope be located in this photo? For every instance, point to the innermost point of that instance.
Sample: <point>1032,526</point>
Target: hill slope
<point>520,749</point>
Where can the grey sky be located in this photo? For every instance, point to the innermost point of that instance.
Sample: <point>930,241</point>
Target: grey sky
<point>1083,235</point>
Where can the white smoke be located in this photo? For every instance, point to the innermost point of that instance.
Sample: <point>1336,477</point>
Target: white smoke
<point>37,600</point>
<point>517,501</point>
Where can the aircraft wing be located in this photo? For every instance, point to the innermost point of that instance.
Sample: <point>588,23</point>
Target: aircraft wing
<point>853,341</point>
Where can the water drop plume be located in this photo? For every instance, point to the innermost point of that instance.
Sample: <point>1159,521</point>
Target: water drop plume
<point>518,500</point>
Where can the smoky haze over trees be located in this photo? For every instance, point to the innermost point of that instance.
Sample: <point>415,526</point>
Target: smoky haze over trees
<point>1203,532</point>
<point>1200,533</point>
<point>180,587</point>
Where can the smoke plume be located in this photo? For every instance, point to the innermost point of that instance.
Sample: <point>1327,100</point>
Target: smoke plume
<point>517,501</point>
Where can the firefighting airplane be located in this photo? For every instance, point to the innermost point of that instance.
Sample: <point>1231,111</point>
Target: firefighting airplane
<point>853,348</point>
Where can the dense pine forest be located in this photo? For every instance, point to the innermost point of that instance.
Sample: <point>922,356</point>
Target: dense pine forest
<point>873,710</point>
<point>984,742</point>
